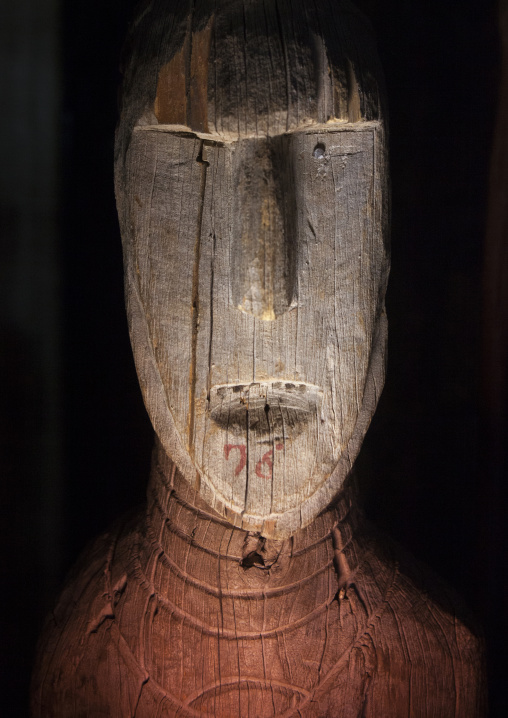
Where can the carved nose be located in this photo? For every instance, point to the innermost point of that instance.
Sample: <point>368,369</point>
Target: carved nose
<point>263,238</point>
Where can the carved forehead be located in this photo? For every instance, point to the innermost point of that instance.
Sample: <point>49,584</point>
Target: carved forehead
<point>244,68</point>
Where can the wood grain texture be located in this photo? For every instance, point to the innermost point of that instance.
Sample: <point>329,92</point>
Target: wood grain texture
<point>256,248</point>
<point>293,393</point>
<point>177,613</point>
<point>252,189</point>
<point>273,66</point>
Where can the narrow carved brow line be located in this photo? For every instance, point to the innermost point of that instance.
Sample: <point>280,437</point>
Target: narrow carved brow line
<point>183,131</point>
<point>334,127</point>
<point>180,130</point>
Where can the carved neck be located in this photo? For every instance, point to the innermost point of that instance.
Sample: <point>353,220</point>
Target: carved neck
<point>190,551</point>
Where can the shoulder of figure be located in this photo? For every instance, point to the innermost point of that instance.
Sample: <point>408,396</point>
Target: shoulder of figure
<point>425,605</point>
<point>73,635</point>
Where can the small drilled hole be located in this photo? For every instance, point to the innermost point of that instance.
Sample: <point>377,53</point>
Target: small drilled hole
<point>319,152</point>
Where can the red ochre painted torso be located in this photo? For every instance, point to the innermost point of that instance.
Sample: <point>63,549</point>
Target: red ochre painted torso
<point>177,613</point>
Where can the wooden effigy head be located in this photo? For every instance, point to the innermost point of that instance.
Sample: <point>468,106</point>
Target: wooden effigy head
<point>251,183</point>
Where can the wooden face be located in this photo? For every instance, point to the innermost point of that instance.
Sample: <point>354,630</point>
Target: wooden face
<point>259,267</point>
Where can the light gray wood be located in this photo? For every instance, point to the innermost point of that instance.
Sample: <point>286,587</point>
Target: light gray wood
<point>265,399</point>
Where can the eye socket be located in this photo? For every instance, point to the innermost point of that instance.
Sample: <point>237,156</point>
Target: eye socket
<point>319,151</point>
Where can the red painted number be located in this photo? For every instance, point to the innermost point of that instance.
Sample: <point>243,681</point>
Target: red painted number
<point>243,456</point>
<point>267,461</point>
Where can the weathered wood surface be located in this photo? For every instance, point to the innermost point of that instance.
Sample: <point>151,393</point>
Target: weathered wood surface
<point>252,193</point>
<point>272,405</point>
<point>177,613</point>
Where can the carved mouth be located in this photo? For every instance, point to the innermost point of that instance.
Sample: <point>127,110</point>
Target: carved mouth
<point>277,408</point>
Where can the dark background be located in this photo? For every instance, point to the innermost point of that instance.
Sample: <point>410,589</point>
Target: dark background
<point>75,438</point>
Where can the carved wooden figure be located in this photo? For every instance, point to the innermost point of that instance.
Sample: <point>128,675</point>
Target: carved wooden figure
<point>252,191</point>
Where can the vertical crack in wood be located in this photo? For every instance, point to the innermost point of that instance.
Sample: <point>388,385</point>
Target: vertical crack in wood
<point>337,369</point>
<point>286,61</point>
<point>141,688</point>
<point>247,462</point>
<point>195,301</point>
<point>247,429</point>
<point>284,440</point>
<point>272,441</point>
<point>188,60</point>
<point>356,303</point>
<point>238,662</point>
<point>271,74</point>
<point>254,351</point>
<point>245,61</point>
<point>210,341</point>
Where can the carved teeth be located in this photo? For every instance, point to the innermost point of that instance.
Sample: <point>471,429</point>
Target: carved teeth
<point>273,403</point>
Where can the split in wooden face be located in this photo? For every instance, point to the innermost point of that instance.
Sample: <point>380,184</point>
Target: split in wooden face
<point>259,268</point>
